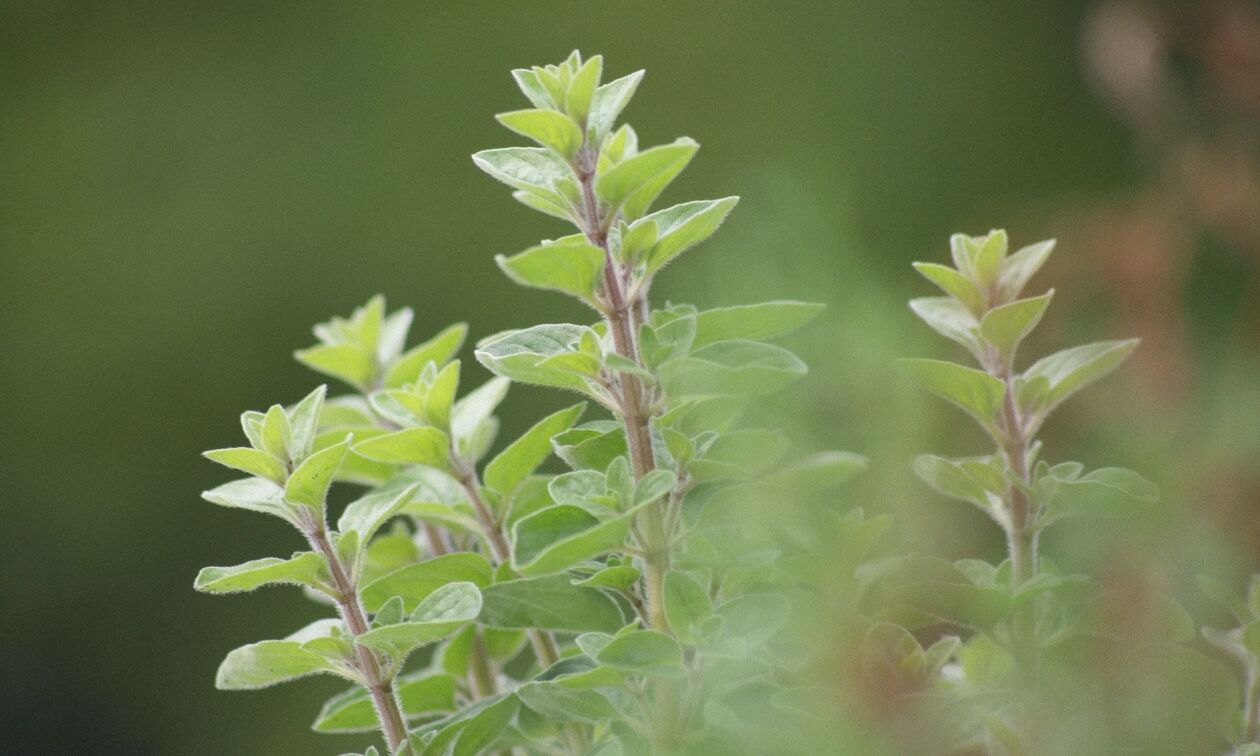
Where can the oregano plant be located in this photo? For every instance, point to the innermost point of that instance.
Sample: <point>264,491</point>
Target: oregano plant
<point>1024,607</point>
<point>481,600</point>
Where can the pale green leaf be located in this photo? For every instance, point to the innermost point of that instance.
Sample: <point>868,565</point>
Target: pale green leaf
<point>277,435</point>
<point>533,89</point>
<point>304,422</point>
<point>519,460</point>
<point>350,363</point>
<point>304,568</point>
<point>549,603</point>
<point>267,663</point>
<point>438,350</point>
<point>642,171</point>
<point>577,101</point>
<point>410,446</point>
<point>951,319</point>
<point>756,322</point>
<point>415,582</point>
<point>254,494</point>
<point>441,613</point>
<point>1073,369</point>
<point>251,461</point>
<point>608,102</point>
<point>571,265</point>
<point>682,227</point>
<point>1004,327</point>
<point>687,605</point>
<point>563,704</point>
<point>530,169</point>
<point>551,129</point>
<point>1020,267</point>
<point>475,408</point>
<point>954,284</point>
<point>367,514</point>
<point>646,652</point>
<point>976,392</point>
<point>308,485</point>
<point>559,537</point>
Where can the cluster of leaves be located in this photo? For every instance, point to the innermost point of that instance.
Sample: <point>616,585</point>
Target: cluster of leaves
<point>1018,611</point>
<point>483,605</point>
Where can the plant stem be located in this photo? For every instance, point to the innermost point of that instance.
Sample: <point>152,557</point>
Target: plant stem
<point>620,318</point>
<point>544,646</point>
<point>380,686</point>
<point>1021,534</point>
<point>1251,706</point>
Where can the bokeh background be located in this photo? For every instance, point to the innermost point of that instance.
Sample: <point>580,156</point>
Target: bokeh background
<point>186,187</point>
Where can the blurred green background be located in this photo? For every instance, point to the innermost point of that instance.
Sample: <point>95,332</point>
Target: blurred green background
<point>187,187</point>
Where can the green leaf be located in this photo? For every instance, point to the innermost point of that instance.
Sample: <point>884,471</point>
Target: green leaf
<point>643,171</point>
<point>591,446</point>
<point>989,254</point>
<point>1004,327</point>
<point>549,128</point>
<point>533,89</point>
<point>415,582</point>
<point>251,461</point>
<point>410,446</point>
<point>530,169</point>
<point>1106,492</point>
<point>367,514</point>
<point>1020,267</point>
<point>303,568</point>
<point>976,392</point>
<point>254,494</point>
<point>563,704</point>
<point>277,435</point>
<point>731,368</point>
<point>577,101</point>
<point>420,695</point>
<point>480,731</point>
<point>269,662</point>
<point>646,652</point>
<point>653,486</point>
<point>441,613</point>
<point>1073,369</point>
<point>682,227</point>
<point>954,284</point>
<point>308,485</point>
<point>687,605</point>
<point>549,603</point>
<point>519,460</point>
<point>304,422</point>
<point>559,537</point>
<point>620,577</point>
<point>755,322</point>
<point>951,479</point>
<point>476,407</point>
<point>571,265</point>
<point>350,363</point>
<point>438,350</point>
<point>525,356</point>
<point>608,102</point>
<point>951,319</point>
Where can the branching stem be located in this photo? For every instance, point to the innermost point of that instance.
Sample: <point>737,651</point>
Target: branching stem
<point>379,684</point>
